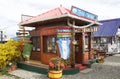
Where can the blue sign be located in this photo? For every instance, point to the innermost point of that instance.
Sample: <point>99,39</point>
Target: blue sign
<point>18,33</point>
<point>63,30</point>
<point>83,13</point>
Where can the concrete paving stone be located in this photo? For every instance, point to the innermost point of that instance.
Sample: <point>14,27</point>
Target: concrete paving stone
<point>110,69</point>
<point>27,74</point>
<point>88,70</point>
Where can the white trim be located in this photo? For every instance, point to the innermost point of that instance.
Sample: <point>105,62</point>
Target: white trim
<point>61,16</point>
<point>80,27</point>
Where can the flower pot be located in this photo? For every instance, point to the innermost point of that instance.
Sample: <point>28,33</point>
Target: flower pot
<point>55,74</point>
<point>101,61</point>
<point>13,67</point>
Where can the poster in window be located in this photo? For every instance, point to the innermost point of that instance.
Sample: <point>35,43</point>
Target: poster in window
<point>63,40</point>
<point>64,47</point>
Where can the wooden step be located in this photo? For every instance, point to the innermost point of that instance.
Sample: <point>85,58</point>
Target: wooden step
<point>81,67</point>
<point>38,67</point>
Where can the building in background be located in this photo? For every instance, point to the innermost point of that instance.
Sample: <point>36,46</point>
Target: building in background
<point>107,38</point>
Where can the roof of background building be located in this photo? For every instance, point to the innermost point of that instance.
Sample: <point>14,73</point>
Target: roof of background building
<point>108,28</point>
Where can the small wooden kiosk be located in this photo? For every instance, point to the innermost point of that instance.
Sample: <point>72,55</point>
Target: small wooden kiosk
<point>81,24</point>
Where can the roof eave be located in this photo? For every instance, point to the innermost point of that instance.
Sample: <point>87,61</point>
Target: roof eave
<point>61,16</point>
<point>86,20</point>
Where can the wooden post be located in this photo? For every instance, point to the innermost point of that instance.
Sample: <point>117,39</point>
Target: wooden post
<point>73,46</point>
<point>91,44</point>
<point>83,48</point>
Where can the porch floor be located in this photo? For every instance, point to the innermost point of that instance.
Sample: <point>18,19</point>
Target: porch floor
<point>37,66</point>
<point>36,63</point>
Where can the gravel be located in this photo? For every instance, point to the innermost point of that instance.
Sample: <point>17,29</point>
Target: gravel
<point>110,69</point>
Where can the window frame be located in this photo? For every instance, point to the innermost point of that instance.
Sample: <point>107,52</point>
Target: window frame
<point>87,43</point>
<point>36,43</point>
<point>47,41</point>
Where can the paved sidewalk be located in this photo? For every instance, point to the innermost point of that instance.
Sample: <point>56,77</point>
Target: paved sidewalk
<point>28,75</point>
<point>110,69</point>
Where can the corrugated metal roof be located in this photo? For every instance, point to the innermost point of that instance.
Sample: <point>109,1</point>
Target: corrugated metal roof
<point>109,28</point>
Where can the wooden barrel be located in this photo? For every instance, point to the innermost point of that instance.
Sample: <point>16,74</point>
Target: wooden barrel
<point>55,74</point>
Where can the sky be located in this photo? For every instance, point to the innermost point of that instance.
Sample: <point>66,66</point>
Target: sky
<point>11,10</point>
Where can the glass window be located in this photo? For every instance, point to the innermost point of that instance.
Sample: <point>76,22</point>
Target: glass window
<point>86,43</point>
<point>36,43</point>
<point>49,44</point>
<point>103,40</point>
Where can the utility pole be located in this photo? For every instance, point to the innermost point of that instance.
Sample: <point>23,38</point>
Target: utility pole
<point>1,36</point>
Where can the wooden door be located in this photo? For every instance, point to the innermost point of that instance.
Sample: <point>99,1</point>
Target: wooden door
<point>78,48</point>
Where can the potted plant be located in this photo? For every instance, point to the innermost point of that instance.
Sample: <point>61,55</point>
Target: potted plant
<point>13,63</point>
<point>12,67</point>
<point>56,66</point>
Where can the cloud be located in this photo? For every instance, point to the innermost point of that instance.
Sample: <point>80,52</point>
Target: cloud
<point>11,10</point>
<point>109,3</point>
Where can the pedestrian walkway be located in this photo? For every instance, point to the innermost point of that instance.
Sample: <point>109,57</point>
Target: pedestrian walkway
<point>88,70</point>
<point>110,69</point>
<point>27,74</point>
